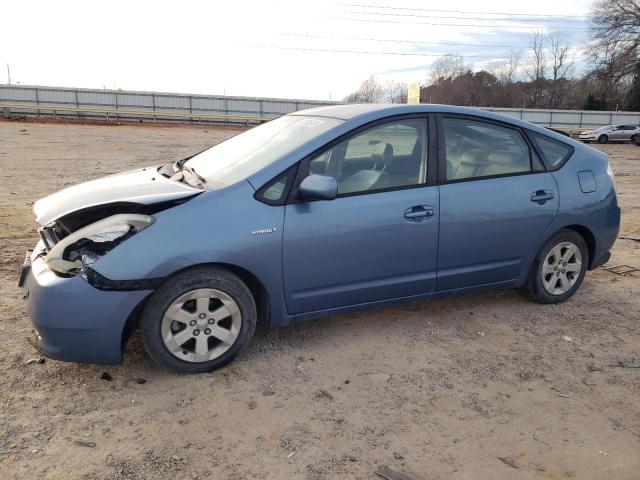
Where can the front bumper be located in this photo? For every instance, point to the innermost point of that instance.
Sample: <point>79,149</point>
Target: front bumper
<point>74,321</point>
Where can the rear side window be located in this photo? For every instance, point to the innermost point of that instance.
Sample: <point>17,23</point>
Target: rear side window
<point>476,149</point>
<point>554,153</point>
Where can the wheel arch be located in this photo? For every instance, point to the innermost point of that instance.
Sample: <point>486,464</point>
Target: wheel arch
<point>588,237</point>
<point>256,287</point>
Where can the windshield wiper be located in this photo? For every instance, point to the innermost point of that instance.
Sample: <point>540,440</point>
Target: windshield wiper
<point>190,170</point>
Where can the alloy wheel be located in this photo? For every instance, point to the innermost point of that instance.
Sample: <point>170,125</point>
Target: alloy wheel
<point>201,325</point>
<point>561,268</point>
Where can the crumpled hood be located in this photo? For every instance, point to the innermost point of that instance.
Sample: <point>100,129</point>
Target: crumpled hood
<point>145,186</point>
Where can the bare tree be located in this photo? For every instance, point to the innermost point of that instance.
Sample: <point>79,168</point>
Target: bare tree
<point>447,67</point>
<point>617,24</point>
<point>536,68</point>
<point>443,72</point>
<point>509,72</point>
<point>370,91</point>
<point>506,71</point>
<point>615,50</point>
<point>395,91</point>
<point>562,66</point>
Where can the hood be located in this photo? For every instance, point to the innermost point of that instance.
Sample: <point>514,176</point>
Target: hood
<point>145,187</point>
<point>597,130</point>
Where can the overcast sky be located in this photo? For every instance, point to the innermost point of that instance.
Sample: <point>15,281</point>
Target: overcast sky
<point>292,49</point>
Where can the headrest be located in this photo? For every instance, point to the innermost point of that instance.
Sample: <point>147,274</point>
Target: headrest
<point>501,157</point>
<point>473,157</point>
<point>382,152</point>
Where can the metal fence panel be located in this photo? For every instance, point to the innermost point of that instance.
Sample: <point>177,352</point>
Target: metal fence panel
<point>208,105</point>
<point>95,98</point>
<point>12,94</point>
<point>244,106</point>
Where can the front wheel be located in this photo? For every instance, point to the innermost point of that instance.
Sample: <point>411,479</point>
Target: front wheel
<point>603,139</point>
<point>198,321</point>
<point>559,268</point>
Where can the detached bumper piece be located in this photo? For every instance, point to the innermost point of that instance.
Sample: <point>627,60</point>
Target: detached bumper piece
<point>26,268</point>
<point>103,283</point>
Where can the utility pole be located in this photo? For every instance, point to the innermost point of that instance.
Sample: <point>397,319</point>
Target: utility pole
<point>8,74</point>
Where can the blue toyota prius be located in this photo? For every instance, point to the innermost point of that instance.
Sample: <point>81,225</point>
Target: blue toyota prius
<point>318,212</point>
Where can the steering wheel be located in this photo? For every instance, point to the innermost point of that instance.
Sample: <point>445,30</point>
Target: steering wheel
<point>379,165</point>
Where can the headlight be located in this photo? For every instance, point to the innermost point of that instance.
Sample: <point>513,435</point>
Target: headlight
<point>83,247</point>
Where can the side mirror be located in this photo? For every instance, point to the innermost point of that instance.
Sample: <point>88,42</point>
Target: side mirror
<point>318,187</point>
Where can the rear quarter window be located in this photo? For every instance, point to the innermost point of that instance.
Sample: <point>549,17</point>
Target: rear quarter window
<point>554,153</point>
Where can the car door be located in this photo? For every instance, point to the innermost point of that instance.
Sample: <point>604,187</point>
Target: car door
<point>495,202</point>
<point>619,133</point>
<point>614,133</point>
<point>378,239</point>
<point>627,132</point>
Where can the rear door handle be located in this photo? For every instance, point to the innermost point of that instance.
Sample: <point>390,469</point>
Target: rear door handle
<point>541,196</point>
<point>419,211</point>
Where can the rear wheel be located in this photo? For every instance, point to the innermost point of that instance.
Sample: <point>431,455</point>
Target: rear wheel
<point>198,320</point>
<point>603,139</point>
<point>559,268</point>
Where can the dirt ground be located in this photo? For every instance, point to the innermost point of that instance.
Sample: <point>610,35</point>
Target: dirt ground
<point>474,387</point>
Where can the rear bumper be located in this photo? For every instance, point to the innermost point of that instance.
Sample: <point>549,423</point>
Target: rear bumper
<point>74,321</point>
<point>607,234</point>
<point>598,262</point>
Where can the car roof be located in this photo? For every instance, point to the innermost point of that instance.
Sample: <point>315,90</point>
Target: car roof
<point>352,110</point>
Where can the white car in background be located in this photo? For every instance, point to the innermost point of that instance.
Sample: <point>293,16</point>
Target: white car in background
<point>611,133</point>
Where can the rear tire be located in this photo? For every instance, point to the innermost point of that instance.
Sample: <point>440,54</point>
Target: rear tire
<point>559,268</point>
<point>198,320</point>
<point>603,139</point>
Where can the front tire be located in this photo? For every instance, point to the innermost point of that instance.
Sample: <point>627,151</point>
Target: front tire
<point>559,268</point>
<point>603,139</point>
<point>198,320</point>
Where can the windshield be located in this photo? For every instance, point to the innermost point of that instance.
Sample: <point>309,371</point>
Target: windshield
<point>247,153</point>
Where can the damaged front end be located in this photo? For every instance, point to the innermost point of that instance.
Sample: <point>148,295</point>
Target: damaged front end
<point>71,305</point>
<point>83,223</point>
<point>73,253</point>
<point>72,243</point>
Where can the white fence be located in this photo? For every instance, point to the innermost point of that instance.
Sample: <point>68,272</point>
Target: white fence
<point>82,103</point>
<point>570,119</point>
<point>95,104</point>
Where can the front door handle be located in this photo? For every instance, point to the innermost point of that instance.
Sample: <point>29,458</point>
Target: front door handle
<point>419,211</point>
<point>541,196</point>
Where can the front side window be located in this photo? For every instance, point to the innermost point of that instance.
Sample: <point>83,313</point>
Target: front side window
<point>475,149</point>
<point>275,191</point>
<point>384,156</point>
<point>553,152</point>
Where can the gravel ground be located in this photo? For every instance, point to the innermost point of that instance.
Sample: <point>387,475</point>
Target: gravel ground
<point>481,386</point>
